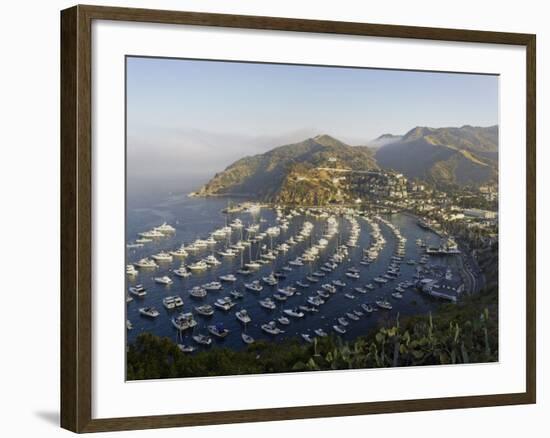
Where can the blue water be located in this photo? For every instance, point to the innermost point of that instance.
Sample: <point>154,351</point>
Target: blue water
<point>196,217</point>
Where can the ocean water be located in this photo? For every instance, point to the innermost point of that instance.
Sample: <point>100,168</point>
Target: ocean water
<point>196,217</point>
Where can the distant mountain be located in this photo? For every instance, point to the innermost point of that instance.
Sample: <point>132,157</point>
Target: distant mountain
<point>444,156</point>
<point>384,140</point>
<point>301,172</point>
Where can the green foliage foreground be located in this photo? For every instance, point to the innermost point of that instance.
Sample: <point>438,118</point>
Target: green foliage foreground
<point>463,333</point>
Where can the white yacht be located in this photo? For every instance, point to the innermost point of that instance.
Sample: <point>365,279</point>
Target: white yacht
<point>129,325</point>
<point>229,278</point>
<point>131,270</point>
<point>151,312</point>
<point>213,285</point>
<point>163,280</point>
<point>295,313</point>
<point>202,339</point>
<point>182,272</point>
<point>138,290</point>
<point>243,316</point>
<point>283,320</point>
<point>211,260</point>
<point>162,256</point>
<point>247,339</point>
<point>180,252</point>
<point>339,329</point>
<point>254,286</point>
<point>184,321</point>
<point>307,337</point>
<point>228,252</point>
<point>205,310</point>
<point>146,263</point>
<point>186,348</point>
<point>165,228</point>
<point>218,330</point>
<point>253,265</point>
<point>172,302</point>
<point>321,333</point>
<point>198,292</point>
<point>268,303</point>
<point>384,304</point>
<point>271,328</point>
<point>270,280</point>
<point>198,266</point>
<point>224,303</point>
<point>151,234</point>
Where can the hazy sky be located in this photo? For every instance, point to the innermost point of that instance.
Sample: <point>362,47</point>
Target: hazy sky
<point>209,113</point>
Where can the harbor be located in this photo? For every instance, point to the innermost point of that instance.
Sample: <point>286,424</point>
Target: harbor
<point>206,274</point>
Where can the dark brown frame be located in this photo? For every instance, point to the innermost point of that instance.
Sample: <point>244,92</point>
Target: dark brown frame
<point>76,219</point>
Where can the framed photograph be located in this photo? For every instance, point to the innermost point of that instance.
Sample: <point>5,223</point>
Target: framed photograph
<point>269,218</point>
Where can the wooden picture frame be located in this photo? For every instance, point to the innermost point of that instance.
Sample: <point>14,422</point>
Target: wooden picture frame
<point>76,217</point>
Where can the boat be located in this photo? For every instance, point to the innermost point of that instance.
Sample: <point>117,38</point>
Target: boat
<point>243,316</point>
<point>253,265</point>
<point>218,330</point>
<point>205,310</point>
<point>338,283</point>
<point>211,260</point>
<point>288,291</point>
<point>198,292</point>
<point>146,263</point>
<point>271,328</point>
<point>165,228</point>
<point>143,240</point>
<point>202,339</point>
<point>283,320</point>
<point>198,266</point>
<point>323,293</point>
<point>255,286</point>
<point>353,275</point>
<point>180,252</point>
<point>244,271</point>
<point>367,308</point>
<point>279,275</point>
<point>131,270</point>
<point>229,278</point>
<point>224,303</point>
<point>384,304</point>
<point>213,285</point>
<point>182,272</point>
<point>247,339</point>
<point>186,348</point>
<point>397,295</point>
<point>228,252</point>
<point>236,294</point>
<point>307,337</point>
<point>279,296</point>
<point>369,286</point>
<point>312,279</point>
<point>380,280</point>
<point>129,299</point>
<point>360,290</point>
<point>352,316</point>
<point>343,321</point>
<point>295,313</point>
<point>358,313</point>
<point>129,325</point>
<point>321,333</point>
<point>162,257</point>
<point>138,290</point>
<point>268,303</point>
<point>329,287</point>
<point>184,321</point>
<point>270,280</point>
<point>315,300</point>
<point>302,284</point>
<point>151,234</point>
<point>308,309</point>
<point>151,312</point>
<point>163,280</point>
<point>339,329</point>
<point>349,296</point>
<point>172,302</point>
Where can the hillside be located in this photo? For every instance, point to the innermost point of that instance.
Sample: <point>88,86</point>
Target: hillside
<point>294,173</point>
<point>444,156</point>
